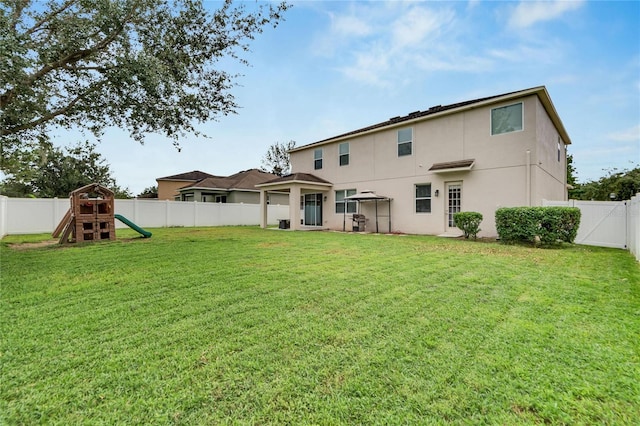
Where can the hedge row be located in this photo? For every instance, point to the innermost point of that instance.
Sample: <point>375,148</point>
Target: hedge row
<point>549,224</point>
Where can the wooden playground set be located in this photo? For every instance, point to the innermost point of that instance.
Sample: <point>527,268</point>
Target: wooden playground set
<point>91,217</point>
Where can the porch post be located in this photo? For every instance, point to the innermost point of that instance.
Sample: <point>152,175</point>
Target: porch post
<point>263,208</point>
<point>294,207</point>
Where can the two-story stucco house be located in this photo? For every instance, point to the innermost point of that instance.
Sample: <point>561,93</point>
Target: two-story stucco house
<point>499,151</point>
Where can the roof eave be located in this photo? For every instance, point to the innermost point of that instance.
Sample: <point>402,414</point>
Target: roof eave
<point>201,188</point>
<point>540,91</point>
<point>297,181</point>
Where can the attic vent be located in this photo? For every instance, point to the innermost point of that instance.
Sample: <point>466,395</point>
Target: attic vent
<point>414,113</point>
<point>394,118</point>
<point>435,107</point>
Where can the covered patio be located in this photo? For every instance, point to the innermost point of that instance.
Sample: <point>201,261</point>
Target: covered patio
<point>298,185</point>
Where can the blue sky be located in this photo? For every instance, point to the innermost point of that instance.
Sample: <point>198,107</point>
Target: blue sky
<point>335,66</point>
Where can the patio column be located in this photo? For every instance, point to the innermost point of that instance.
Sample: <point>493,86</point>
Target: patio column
<point>263,208</point>
<point>294,207</point>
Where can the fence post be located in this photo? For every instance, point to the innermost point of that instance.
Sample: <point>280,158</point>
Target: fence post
<point>55,212</point>
<point>135,211</point>
<point>195,212</point>
<point>3,216</point>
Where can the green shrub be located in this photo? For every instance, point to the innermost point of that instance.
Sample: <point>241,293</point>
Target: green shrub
<point>468,222</point>
<point>549,224</point>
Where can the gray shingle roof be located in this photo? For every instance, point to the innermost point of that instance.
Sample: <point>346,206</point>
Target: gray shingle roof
<point>305,177</point>
<point>193,176</point>
<point>246,179</point>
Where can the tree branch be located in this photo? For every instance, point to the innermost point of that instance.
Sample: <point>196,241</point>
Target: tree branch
<point>53,114</point>
<point>50,16</point>
<point>17,12</point>
<point>86,68</point>
<point>84,53</point>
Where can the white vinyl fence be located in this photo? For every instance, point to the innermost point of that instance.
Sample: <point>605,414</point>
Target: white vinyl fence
<point>40,215</point>
<point>607,223</point>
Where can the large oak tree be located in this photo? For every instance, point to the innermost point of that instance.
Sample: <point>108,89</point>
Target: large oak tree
<point>141,65</point>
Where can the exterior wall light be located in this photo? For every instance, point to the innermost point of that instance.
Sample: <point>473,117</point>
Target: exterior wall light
<point>437,192</point>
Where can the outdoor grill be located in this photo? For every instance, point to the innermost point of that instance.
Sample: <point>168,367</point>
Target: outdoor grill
<point>358,222</point>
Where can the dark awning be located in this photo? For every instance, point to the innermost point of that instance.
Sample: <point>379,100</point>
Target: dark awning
<point>453,166</point>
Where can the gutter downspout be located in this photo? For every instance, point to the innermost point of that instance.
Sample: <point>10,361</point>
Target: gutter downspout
<point>528,178</point>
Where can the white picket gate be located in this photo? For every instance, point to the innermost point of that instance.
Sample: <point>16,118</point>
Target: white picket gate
<point>602,223</point>
<point>607,223</point>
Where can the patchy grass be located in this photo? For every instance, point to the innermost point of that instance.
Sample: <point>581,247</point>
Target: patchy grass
<point>251,326</point>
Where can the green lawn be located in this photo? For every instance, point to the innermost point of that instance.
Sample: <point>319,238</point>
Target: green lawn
<point>251,326</point>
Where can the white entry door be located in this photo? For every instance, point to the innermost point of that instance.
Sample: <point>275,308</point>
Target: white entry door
<point>453,202</point>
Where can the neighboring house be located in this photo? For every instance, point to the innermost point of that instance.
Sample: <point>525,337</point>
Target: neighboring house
<point>168,186</point>
<point>416,171</point>
<point>237,188</point>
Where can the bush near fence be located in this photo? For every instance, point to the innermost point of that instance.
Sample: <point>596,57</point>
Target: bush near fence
<point>548,224</point>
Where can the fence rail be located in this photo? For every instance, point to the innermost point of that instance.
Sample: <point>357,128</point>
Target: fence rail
<point>604,223</point>
<point>41,215</point>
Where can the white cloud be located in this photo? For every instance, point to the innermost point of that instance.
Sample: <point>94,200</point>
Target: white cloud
<point>631,134</point>
<point>349,26</point>
<point>379,44</point>
<point>528,13</point>
<point>370,67</point>
<point>417,25</point>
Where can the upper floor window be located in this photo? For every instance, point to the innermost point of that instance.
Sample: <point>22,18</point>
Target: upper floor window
<point>559,147</point>
<point>405,140</point>
<point>341,202</point>
<point>423,198</point>
<point>344,154</point>
<point>317,159</point>
<point>506,119</point>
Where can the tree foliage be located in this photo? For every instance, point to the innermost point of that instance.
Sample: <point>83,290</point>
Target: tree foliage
<point>149,192</point>
<point>142,65</point>
<point>276,160</point>
<point>53,172</point>
<point>615,185</point>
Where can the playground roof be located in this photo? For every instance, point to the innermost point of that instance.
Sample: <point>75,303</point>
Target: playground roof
<point>93,188</point>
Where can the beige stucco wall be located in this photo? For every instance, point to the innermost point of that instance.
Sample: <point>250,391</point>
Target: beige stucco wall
<point>168,189</point>
<point>276,198</point>
<point>244,197</point>
<point>499,178</point>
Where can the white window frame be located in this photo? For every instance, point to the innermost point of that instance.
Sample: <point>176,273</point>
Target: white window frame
<point>342,155</point>
<point>404,142</point>
<point>559,148</point>
<point>317,158</point>
<point>503,107</point>
<point>416,198</point>
<point>340,195</point>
